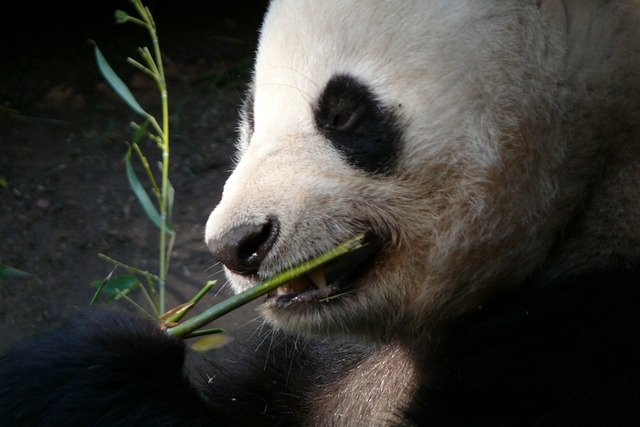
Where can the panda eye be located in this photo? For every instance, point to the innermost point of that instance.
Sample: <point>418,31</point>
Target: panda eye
<point>347,119</point>
<point>341,120</point>
<point>358,126</point>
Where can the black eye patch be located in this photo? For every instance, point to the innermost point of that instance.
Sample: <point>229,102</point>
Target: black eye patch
<point>360,128</point>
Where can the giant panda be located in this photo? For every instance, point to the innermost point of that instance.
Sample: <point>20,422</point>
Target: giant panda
<point>490,152</point>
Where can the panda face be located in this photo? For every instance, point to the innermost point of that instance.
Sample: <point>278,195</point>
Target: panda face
<point>408,121</point>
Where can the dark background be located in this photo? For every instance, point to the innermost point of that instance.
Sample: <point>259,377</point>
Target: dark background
<point>64,196</point>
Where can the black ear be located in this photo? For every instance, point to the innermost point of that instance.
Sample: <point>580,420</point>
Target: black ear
<point>360,128</point>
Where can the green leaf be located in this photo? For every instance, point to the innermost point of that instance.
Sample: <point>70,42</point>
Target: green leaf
<point>210,342</point>
<point>177,313</point>
<point>124,284</point>
<point>117,84</point>
<point>7,272</point>
<point>141,194</point>
<point>121,16</point>
<point>140,132</point>
<point>99,284</point>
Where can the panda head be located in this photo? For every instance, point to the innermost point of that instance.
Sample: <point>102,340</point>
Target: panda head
<point>432,126</point>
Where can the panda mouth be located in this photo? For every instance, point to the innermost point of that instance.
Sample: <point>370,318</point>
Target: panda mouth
<point>326,283</point>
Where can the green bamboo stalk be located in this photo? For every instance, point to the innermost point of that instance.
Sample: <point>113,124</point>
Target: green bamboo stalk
<point>203,332</point>
<point>188,327</point>
<point>156,70</point>
<point>164,254</point>
<point>159,214</point>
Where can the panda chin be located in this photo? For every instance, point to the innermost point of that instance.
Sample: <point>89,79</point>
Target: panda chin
<point>329,282</point>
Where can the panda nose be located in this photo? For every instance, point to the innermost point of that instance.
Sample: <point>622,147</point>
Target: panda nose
<point>242,249</point>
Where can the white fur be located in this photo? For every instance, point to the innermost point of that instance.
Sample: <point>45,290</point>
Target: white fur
<point>520,144</point>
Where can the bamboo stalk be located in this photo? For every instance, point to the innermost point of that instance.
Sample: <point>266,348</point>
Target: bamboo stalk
<point>189,327</point>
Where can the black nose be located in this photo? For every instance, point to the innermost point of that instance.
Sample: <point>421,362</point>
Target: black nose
<point>242,249</point>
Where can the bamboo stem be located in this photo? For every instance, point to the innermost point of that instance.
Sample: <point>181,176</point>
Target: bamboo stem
<point>188,327</point>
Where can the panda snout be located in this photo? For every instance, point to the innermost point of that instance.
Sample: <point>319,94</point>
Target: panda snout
<point>243,248</point>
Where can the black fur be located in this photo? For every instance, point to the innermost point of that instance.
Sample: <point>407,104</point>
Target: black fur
<point>107,367</point>
<point>102,368</point>
<point>565,353</point>
<point>360,128</point>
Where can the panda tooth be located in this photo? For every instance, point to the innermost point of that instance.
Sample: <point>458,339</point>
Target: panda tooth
<point>318,278</point>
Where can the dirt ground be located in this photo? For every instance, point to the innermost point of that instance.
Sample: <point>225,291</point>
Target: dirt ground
<point>64,196</point>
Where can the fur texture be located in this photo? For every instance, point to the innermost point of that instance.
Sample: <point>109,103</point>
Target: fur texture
<point>518,154</point>
<point>490,151</point>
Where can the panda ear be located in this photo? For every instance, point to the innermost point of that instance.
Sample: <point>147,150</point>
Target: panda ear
<point>356,123</point>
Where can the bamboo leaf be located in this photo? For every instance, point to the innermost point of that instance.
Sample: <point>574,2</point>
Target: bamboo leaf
<point>140,132</point>
<point>117,84</point>
<point>100,285</point>
<point>141,194</point>
<point>177,313</point>
<point>121,16</point>
<point>215,339</point>
<point>7,272</point>
<point>115,285</point>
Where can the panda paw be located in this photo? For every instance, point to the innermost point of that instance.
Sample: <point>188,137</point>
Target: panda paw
<point>99,368</point>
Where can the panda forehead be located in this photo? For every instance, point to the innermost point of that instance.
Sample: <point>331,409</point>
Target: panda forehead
<point>406,52</point>
<point>324,37</point>
<point>306,43</point>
